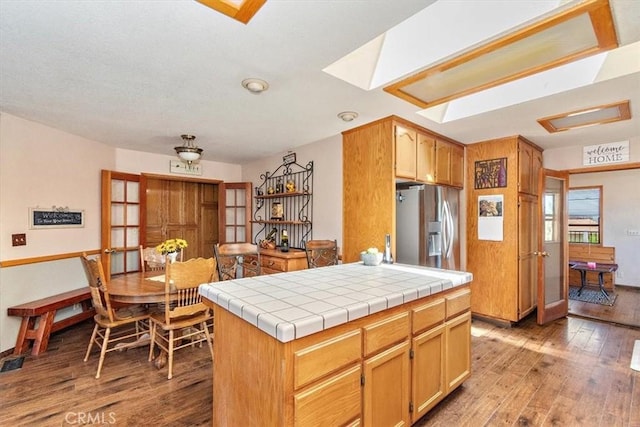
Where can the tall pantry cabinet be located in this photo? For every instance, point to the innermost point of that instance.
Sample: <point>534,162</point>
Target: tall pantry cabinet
<point>504,267</point>
<point>375,157</point>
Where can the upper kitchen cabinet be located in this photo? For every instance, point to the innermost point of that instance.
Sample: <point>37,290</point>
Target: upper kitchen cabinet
<point>405,150</point>
<point>529,165</point>
<point>426,159</point>
<point>449,164</point>
<point>374,157</point>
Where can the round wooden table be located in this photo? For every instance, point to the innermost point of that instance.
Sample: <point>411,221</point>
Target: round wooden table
<point>137,288</point>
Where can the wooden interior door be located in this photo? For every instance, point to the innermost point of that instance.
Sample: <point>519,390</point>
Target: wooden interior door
<point>120,222</point>
<point>553,266</point>
<point>179,208</point>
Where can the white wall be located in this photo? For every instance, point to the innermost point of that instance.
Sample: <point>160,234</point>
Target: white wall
<point>41,167</point>
<point>621,205</point>
<point>327,183</point>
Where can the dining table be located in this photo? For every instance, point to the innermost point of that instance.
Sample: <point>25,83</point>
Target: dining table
<point>137,288</point>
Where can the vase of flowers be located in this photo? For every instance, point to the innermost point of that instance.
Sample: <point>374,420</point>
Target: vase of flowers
<point>171,248</point>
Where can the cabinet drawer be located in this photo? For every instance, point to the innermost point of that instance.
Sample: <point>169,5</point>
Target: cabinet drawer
<point>385,332</point>
<point>428,315</point>
<point>334,402</point>
<point>458,302</point>
<point>265,270</point>
<point>316,361</point>
<point>273,263</point>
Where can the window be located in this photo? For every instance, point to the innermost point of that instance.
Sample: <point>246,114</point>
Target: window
<point>585,215</point>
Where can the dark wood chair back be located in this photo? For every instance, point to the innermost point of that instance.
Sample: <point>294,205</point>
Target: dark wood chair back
<point>321,253</point>
<point>236,260</point>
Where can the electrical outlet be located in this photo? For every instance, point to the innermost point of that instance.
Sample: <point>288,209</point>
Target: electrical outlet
<point>619,274</point>
<point>633,232</point>
<point>18,239</point>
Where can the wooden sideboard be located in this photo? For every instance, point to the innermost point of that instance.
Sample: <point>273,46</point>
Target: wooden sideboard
<point>276,261</point>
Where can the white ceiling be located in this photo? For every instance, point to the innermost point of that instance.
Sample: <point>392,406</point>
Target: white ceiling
<point>137,74</point>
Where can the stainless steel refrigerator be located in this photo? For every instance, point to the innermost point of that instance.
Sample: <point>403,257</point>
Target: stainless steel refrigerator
<point>427,226</point>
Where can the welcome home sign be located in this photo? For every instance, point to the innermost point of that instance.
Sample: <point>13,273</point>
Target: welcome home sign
<point>603,154</point>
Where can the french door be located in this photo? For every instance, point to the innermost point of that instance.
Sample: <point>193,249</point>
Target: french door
<point>120,224</point>
<point>553,267</point>
<point>235,222</point>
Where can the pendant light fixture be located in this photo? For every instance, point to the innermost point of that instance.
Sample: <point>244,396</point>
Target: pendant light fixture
<point>188,151</point>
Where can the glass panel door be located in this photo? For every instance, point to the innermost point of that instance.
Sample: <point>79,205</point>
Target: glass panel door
<point>236,199</point>
<point>120,222</point>
<point>553,290</point>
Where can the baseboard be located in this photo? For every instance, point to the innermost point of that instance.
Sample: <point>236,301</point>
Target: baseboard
<point>498,322</point>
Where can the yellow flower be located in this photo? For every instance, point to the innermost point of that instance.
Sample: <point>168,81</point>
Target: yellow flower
<point>171,245</point>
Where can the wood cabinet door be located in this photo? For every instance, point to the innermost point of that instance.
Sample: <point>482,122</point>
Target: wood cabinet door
<point>386,388</point>
<point>427,370</point>
<point>426,159</point>
<point>527,254</point>
<point>458,350</point>
<point>529,166</point>
<point>457,166</point>
<point>405,149</point>
<point>443,162</point>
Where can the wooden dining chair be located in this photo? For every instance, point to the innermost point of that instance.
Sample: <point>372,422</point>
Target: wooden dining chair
<point>184,321</point>
<point>321,253</point>
<point>114,329</point>
<point>151,259</point>
<point>236,260</point>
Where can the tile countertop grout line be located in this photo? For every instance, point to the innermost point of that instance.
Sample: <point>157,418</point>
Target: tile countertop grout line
<point>388,286</point>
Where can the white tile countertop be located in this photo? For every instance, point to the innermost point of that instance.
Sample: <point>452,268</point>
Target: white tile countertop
<point>292,305</point>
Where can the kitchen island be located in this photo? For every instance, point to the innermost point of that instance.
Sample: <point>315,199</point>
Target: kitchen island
<point>341,345</point>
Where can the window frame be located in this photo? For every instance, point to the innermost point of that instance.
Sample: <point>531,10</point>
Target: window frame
<point>600,225</point>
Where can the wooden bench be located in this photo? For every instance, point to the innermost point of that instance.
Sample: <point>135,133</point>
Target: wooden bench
<point>44,310</point>
<point>592,253</point>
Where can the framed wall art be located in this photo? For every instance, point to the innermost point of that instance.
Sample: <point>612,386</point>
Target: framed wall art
<point>491,173</point>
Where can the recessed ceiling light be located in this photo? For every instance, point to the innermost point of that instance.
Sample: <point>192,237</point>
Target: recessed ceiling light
<point>587,117</point>
<point>255,86</point>
<point>348,116</point>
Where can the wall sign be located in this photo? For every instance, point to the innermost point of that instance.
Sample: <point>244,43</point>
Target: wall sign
<point>178,166</point>
<point>55,218</point>
<point>603,154</point>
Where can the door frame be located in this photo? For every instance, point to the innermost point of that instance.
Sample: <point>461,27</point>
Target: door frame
<point>557,309</point>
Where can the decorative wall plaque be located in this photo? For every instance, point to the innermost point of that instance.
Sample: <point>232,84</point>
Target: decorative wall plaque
<point>491,173</point>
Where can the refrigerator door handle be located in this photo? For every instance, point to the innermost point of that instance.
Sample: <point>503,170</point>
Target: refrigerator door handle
<point>448,226</point>
<point>445,230</point>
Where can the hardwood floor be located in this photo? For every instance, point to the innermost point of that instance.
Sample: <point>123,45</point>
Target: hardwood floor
<point>625,310</point>
<point>572,372</point>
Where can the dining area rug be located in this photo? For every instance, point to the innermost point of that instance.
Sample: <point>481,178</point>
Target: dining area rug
<point>591,295</point>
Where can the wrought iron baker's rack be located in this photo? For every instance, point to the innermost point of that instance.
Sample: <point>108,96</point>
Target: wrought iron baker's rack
<point>296,200</point>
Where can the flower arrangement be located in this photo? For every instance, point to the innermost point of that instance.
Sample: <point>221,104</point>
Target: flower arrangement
<point>171,245</point>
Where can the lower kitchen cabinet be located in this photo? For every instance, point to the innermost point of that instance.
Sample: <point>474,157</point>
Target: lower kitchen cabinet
<point>427,370</point>
<point>386,369</point>
<point>386,388</point>
<point>333,402</point>
<point>458,350</point>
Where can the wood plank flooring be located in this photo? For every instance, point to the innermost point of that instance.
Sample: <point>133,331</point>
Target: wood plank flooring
<point>625,310</point>
<point>573,372</point>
